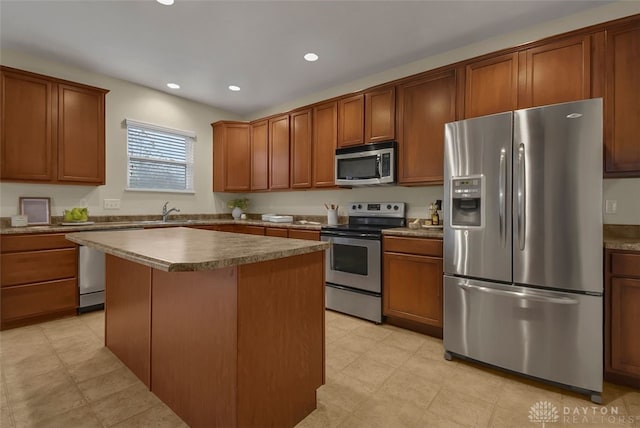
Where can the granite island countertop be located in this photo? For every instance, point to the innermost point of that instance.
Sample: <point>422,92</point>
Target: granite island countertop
<point>175,249</point>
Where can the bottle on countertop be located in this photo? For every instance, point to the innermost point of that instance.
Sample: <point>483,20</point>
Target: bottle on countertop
<point>435,218</point>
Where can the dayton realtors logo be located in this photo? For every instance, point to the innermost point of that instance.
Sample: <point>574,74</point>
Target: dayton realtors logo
<point>544,412</point>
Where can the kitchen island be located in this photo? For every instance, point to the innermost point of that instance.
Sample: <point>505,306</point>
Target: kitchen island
<point>227,329</point>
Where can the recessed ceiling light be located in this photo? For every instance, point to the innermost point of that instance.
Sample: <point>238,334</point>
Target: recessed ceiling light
<point>165,2</point>
<point>173,85</point>
<point>311,57</point>
<point>234,88</point>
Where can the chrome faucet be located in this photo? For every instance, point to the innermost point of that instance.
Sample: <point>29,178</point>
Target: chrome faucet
<point>165,212</point>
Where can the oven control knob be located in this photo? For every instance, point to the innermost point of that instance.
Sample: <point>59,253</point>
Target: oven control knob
<point>395,207</point>
<point>359,206</point>
<point>389,206</point>
<point>353,207</point>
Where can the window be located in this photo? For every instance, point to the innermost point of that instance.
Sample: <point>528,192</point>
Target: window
<point>159,158</point>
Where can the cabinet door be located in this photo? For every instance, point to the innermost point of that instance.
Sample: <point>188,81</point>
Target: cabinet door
<point>491,86</point>
<point>424,106</point>
<point>81,152</point>
<point>380,115</point>
<point>26,127</point>
<point>555,72</point>
<point>625,319</point>
<point>325,137</point>
<point>301,149</point>
<point>622,101</point>
<point>351,121</point>
<point>279,152</point>
<point>413,288</point>
<point>260,155</point>
<point>237,153</point>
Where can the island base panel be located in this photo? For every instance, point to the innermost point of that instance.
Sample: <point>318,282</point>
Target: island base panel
<point>194,334</point>
<point>128,314</point>
<point>280,339</point>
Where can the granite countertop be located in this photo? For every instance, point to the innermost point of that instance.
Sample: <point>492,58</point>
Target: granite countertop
<point>175,249</point>
<point>621,237</point>
<point>115,225</point>
<point>421,232</point>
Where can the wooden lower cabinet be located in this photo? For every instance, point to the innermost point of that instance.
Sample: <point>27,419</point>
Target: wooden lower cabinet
<point>622,317</point>
<point>38,278</point>
<point>412,284</point>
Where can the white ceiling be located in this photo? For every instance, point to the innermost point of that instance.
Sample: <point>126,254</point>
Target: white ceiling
<point>205,46</point>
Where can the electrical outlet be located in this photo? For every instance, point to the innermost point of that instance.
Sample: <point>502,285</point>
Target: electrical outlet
<point>111,204</point>
<point>610,206</point>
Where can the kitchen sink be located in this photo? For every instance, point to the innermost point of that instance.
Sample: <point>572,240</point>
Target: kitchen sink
<point>168,222</point>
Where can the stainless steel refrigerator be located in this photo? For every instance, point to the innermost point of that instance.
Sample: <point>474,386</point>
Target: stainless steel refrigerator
<point>523,256</point>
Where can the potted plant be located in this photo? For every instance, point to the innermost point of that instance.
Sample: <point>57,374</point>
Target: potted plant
<point>238,205</point>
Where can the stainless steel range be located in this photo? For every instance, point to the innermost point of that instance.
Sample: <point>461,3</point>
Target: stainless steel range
<point>354,261</point>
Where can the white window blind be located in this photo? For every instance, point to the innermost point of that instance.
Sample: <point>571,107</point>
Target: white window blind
<point>159,158</point>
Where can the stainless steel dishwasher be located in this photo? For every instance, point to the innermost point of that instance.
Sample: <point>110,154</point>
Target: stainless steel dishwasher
<point>90,279</point>
<point>91,276</point>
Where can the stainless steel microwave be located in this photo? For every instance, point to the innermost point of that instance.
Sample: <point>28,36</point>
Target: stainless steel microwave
<point>366,165</point>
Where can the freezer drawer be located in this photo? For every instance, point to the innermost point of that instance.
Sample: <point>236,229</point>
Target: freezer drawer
<point>550,335</point>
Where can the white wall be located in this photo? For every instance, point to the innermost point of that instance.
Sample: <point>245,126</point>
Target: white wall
<point>625,191</point>
<point>125,100</point>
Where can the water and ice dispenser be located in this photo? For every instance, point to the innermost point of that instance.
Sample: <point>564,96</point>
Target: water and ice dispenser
<point>467,201</point>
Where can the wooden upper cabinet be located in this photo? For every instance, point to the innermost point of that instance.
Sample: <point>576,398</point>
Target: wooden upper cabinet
<point>231,157</point>
<point>424,106</point>
<point>81,151</point>
<point>380,115</point>
<point>279,152</point>
<point>27,127</point>
<point>52,130</point>
<point>555,72</point>
<point>325,137</point>
<point>622,100</point>
<point>301,129</point>
<point>351,121</point>
<point>491,86</point>
<point>260,155</point>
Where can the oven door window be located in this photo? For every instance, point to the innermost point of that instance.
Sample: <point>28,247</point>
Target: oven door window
<point>350,259</point>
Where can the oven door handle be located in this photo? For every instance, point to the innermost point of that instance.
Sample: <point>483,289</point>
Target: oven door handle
<point>350,234</point>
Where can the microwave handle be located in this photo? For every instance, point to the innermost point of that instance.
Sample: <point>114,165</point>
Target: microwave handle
<point>379,165</point>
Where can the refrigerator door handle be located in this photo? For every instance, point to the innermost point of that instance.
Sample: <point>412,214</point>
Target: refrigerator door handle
<point>521,198</point>
<point>530,295</point>
<point>502,196</point>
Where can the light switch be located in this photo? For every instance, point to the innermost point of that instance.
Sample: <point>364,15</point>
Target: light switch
<point>610,206</point>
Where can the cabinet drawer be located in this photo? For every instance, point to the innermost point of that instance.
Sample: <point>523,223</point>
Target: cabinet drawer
<point>310,235</point>
<point>275,231</point>
<point>38,266</point>
<point>24,301</point>
<point>250,230</point>
<point>421,246</point>
<point>625,264</point>
<point>13,243</point>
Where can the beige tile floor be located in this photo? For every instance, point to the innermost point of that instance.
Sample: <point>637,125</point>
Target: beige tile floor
<point>59,374</point>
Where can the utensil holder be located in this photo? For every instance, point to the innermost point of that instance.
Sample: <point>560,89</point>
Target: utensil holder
<point>332,217</point>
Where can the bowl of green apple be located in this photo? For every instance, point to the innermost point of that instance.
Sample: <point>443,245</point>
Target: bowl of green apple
<point>75,216</point>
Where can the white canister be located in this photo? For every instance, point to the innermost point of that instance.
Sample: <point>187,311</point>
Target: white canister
<point>332,217</point>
